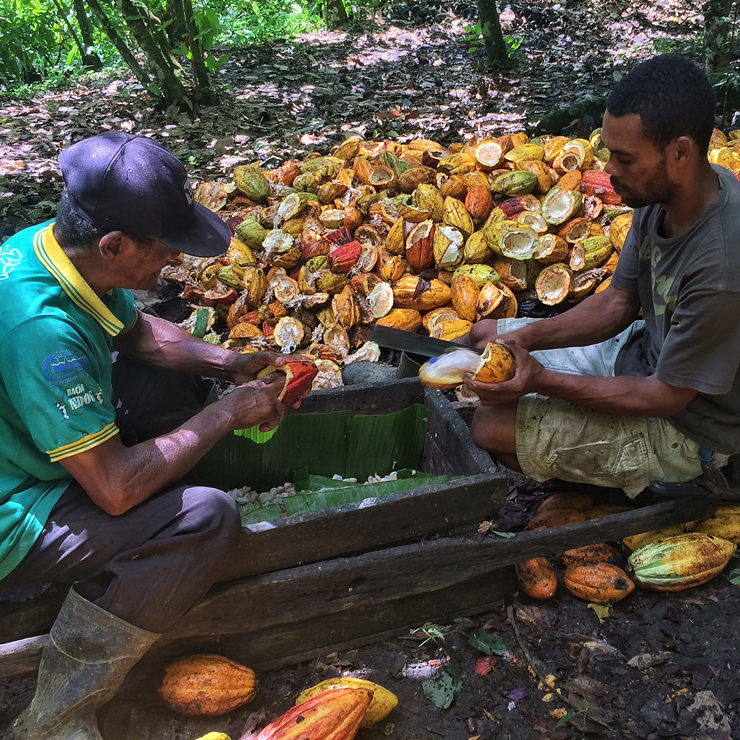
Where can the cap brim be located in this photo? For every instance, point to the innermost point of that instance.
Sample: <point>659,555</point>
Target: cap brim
<point>206,235</point>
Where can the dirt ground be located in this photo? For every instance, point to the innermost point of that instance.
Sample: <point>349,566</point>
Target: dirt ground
<point>658,666</point>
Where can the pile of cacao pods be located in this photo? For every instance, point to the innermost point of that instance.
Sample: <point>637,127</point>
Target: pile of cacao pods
<point>670,559</point>
<point>210,685</point>
<point>412,236</point>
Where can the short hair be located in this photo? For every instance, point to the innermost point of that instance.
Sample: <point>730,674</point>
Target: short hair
<point>78,231</point>
<point>74,226</point>
<point>673,98</point>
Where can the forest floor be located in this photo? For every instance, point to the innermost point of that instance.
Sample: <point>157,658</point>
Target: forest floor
<point>659,665</point>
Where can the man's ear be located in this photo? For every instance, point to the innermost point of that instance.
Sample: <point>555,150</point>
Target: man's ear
<point>683,148</point>
<point>113,245</point>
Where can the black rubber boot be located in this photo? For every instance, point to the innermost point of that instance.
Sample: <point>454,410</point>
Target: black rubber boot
<point>88,655</point>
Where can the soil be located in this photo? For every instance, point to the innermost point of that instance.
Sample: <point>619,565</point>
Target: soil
<point>658,665</point>
<point>410,72</point>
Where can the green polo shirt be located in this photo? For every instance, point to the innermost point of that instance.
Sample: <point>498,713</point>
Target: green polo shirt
<point>55,379</point>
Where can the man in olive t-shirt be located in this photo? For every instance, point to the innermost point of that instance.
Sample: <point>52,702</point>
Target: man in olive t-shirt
<point>600,396</point>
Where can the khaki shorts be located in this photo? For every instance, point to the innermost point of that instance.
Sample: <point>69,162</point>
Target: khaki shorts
<point>558,439</point>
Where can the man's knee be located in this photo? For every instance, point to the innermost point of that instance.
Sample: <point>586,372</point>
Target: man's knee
<point>483,427</point>
<point>211,511</point>
<point>494,428</point>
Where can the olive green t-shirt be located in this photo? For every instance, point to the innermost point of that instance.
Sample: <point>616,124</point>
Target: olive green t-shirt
<point>55,379</point>
<point>689,288</point>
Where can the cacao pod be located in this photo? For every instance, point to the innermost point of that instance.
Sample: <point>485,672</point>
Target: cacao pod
<point>207,685</point>
<point>566,500</point>
<point>555,518</point>
<point>724,523</point>
<point>537,578</point>
<point>680,562</point>
<point>404,319</point>
<point>331,715</point>
<point>599,583</point>
<point>408,293</point>
<point>589,554</point>
<point>382,704</point>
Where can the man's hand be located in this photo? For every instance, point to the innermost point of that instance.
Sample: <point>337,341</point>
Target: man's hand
<point>246,367</point>
<point>526,379</point>
<point>256,403</point>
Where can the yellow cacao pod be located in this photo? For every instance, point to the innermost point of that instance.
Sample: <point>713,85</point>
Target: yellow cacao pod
<point>382,704</point>
<point>405,294</point>
<point>681,562</point>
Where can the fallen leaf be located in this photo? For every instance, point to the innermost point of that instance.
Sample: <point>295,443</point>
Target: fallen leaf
<point>602,611</point>
<point>516,694</point>
<point>487,642</point>
<point>440,691</point>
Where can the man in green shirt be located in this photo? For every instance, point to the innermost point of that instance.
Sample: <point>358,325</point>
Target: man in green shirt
<point>76,505</point>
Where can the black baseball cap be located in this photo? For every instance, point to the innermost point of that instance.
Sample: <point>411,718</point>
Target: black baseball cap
<point>133,184</point>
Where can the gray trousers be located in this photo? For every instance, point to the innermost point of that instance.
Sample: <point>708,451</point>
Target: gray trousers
<point>151,563</point>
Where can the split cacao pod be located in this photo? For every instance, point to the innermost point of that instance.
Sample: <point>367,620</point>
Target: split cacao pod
<point>537,578</point>
<point>381,706</point>
<point>331,715</point>
<point>681,562</point>
<point>207,685</point>
<point>299,375</point>
<point>600,583</point>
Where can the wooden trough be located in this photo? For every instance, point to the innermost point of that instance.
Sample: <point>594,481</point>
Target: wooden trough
<point>310,584</point>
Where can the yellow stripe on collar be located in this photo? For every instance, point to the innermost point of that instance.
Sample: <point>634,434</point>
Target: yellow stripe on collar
<point>54,259</point>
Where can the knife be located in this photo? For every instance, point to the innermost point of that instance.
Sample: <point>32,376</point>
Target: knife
<point>416,343</point>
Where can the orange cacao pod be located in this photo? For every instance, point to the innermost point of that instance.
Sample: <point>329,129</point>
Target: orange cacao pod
<point>589,554</point>
<point>566,500</point>
<point>599,583</point>
<point>556,518</point>
<point>206,684</point>
<point>537,578</point>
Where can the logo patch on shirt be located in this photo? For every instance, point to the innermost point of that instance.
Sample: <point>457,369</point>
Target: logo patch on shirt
<point>9,259</point>
<point>63,366</point>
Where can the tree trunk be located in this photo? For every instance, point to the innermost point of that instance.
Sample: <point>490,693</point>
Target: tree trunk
<point>63,15</point>
<point>493,38</point>
<point>118,41</point>
<point>716,34</point>
<point>171,86</point>
<point>335,14</point>
<point>204,92</point>
<point>178,29</point>
<point>89,57</point>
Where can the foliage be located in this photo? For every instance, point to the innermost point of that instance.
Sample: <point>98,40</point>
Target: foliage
<point>30,40</point>
<point>37,43</point>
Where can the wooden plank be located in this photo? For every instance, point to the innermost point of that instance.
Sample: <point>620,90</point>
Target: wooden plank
<point>450,449</point>
<point>287,596</point>
<point>22,656</point>
<point>358,527</point>
<point>272,601</point>
<point>311,638</point>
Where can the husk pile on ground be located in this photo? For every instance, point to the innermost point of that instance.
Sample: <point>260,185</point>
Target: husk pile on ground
<point>414,236</point>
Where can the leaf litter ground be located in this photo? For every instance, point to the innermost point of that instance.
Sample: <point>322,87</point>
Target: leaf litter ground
<point>656,665</point>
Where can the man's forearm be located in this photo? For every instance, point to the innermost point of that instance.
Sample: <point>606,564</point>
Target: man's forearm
<point>158,342</point>
<point>622,396</point>
<point>598,318</point>
<point>124,477</point>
